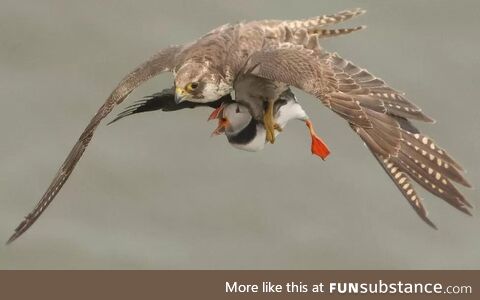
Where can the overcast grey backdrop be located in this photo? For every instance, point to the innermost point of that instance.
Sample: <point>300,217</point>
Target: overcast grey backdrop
<point>154,191</point>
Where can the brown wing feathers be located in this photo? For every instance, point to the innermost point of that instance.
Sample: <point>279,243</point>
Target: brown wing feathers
<point>411,154</point>
<point>424,167</point>
<point>378,113</point>
<point>160,62</point>
<point>372,92</point>
<point>403,183</point>
<point>394,139</point>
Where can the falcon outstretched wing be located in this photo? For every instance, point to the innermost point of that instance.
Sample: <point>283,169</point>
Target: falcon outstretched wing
<point>163,61</point>
<point>376,112</point>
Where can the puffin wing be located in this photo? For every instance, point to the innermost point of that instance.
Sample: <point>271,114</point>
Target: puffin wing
<point>165,101</point>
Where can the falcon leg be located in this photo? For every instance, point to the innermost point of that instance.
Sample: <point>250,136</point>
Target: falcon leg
<point>269,122</point>
<point>318,146</point>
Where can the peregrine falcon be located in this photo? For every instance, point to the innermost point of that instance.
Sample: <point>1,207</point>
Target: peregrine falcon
<point>287,54</point>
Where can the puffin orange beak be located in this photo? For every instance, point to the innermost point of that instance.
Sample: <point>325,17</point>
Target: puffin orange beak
<point>216,113</point>
<point>222,125</point>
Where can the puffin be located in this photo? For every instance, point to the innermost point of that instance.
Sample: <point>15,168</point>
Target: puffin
<point>246,132</point>
<point>238,119</point>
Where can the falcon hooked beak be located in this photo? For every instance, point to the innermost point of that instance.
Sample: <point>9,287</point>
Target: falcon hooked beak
<point>180,95</point>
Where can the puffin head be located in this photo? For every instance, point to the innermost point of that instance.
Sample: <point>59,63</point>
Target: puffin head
<point>232,119</point>
<point>241,129</point>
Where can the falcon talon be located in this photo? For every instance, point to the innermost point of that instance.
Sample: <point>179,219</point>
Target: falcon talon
<point>269,122</point>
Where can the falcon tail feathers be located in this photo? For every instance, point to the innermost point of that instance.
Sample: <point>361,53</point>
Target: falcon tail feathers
<point>324,33</point>
<point>317,23</point>
<point>299,32</point>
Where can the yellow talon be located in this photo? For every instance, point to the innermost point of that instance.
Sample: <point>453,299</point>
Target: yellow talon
<point>270,124</point>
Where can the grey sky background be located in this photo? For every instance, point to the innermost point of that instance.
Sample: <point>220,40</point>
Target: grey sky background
<point>154,191</point>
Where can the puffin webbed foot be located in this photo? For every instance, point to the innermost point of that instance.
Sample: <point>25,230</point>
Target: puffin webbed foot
<point>318,146</point>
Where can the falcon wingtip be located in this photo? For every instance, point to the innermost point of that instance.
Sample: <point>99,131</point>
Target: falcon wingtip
<point>21,228</point>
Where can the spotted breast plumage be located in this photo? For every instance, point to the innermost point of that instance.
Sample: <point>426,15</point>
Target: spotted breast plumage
<point>285,54</point>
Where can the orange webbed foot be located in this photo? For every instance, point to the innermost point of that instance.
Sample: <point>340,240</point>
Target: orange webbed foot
<point>318,145</point>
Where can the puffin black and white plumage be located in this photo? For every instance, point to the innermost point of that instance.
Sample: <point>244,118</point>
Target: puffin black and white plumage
<point>247,132</point>
<point>165,101</point>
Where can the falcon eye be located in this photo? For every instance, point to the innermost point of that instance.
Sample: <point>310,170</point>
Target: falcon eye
<point>192,86</point>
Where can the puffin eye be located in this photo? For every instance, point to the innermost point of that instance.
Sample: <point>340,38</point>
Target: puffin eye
<point>238,109</point>
<point>192,86</point>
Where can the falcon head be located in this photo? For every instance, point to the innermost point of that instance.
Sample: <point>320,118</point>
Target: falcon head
<point>197,82</point>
